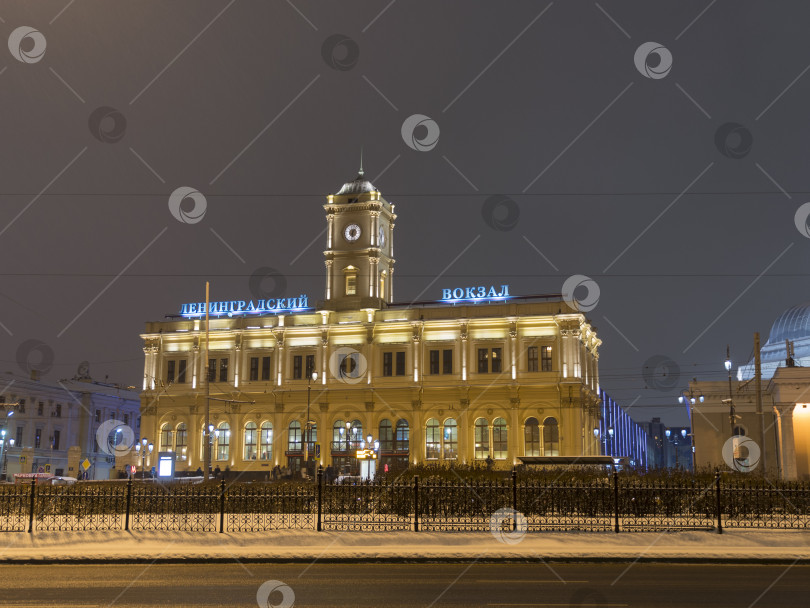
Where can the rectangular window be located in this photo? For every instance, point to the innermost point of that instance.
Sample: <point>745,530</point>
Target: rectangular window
<point>265,368</point>
<point>169,372</point>
<point>298,371</point>
<point>56,439</point>
<point>387,364</point>
<point>181,371</point>
<point>483,360</point>
<point>531,355</point>
<point>18,438</point>
<point>98,415</point>
<point>497,360</point>
<point>545,358</point>
<point>126,418</point>
<point>21,406</point>
<point>441,361</point>
<point>434,362</point>
<point>223,370</point>
<point>40,408</point>
<point>401,363</point>
<point>447,361</point>
<point>212,370</point>
<point>310,366</point>
<point>37,438</point>
<point>351,284</point>
<point>254,368</point>
<point>58,410</point>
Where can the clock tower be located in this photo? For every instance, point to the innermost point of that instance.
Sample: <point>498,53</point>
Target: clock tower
<point>359,247</point>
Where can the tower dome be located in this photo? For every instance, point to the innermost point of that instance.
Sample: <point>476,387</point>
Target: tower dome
<point>358,185</point>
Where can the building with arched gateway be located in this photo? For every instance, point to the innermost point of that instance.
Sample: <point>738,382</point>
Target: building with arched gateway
<point>476,375</point>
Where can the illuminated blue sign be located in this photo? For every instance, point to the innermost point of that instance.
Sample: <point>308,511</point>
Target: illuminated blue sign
<point>479,292</point>
<point>246,307</point>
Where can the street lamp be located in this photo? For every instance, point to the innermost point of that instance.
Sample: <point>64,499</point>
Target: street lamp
<point>142,447</point>
<point>731,413</point>
<point>308,431</point>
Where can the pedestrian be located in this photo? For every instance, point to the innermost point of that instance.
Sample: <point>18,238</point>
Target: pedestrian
<point>217,472</point>
<point>227,472</point>
<point>198,472</point>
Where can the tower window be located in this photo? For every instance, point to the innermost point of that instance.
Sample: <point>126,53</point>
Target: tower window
<point>351,280</point>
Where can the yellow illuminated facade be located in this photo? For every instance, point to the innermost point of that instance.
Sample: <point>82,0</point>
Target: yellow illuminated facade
<point>482,380</point>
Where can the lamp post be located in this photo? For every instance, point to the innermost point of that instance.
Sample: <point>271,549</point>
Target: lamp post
<point>142,448</point>
<point>308,431</point>
<point>690,400</point>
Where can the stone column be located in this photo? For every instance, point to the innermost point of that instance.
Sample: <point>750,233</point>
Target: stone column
<point>513,432</point>
<point>787,447</point>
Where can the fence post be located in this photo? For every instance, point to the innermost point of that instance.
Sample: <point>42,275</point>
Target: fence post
<point>31,507</point>
<point>717,486</point>
<point>320,497</point>
<point>514,499</point>
<point>129,503</point>
<point>222,506</point>
<point>616,501</point>
<point>416,503</point>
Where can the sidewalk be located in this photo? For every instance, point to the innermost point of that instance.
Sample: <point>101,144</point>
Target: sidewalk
<point>287,546</point>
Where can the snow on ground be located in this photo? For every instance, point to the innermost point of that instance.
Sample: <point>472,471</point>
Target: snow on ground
<point>310,545</point>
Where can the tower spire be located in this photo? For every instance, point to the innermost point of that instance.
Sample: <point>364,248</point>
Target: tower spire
<point>361,162</point>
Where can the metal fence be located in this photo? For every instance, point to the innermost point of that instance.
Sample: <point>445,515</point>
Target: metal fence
<point>607,504</point>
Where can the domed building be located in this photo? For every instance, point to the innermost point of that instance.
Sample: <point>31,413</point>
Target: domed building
<point>790,331</point>
<point>770,428</point>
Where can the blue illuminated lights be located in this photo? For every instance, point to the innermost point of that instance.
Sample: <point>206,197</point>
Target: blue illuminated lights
<point>475,294</point>
<point>230,308</point>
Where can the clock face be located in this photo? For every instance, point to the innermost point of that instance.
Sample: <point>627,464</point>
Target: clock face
<point>352,232</point>
<point>382,236</point>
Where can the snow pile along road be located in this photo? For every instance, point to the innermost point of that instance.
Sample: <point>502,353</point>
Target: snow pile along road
<point>405,546</point>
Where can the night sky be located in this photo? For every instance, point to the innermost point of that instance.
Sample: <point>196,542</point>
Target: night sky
<point>553,142</point>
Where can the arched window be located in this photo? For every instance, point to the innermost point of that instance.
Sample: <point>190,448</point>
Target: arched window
<point>531,437</point>
<point>356,434</point>
<point>294,437</point>
<point>350,274</point>
<point>481,439</point>
<point>166,438</point>
<point>223,438</point>
<point>339,439</point>
<point>251,430</point>
<point>181,441</point>
<point>551,437</point>
<point>433,439</point>
<point>401,439</point>
<point>386,435</point>
<point>450,439</point>
<point>499,439</point>
<point>266,441</point>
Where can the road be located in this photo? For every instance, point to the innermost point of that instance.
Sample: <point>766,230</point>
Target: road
<point>391,585</point>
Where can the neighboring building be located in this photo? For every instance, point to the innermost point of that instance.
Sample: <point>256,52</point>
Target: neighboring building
<point>621,436</point>
<point>51,427</point>
<point>478,374</point>
<point>780,427</point>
